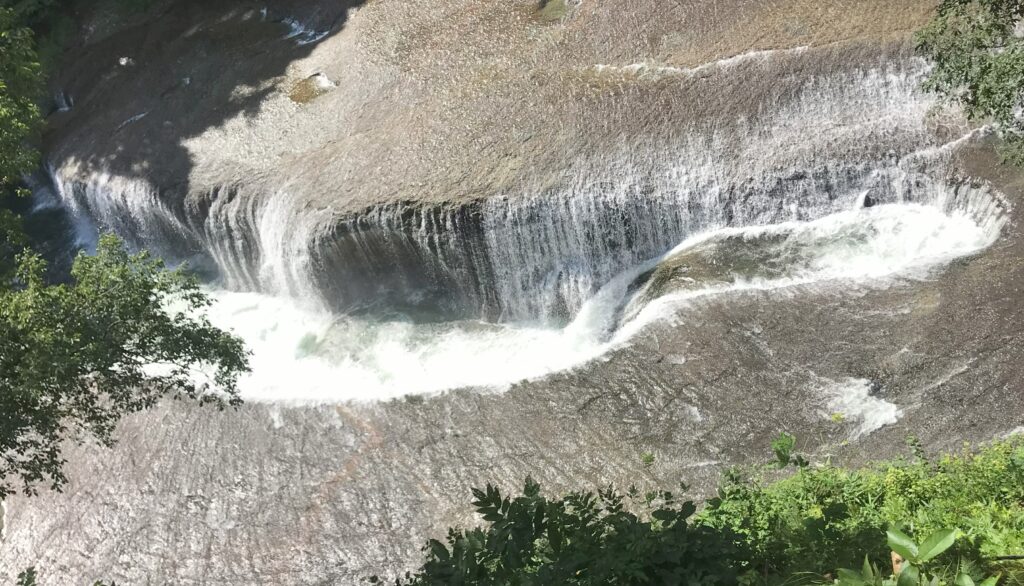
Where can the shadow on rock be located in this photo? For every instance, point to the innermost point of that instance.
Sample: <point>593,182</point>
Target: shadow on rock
<point>139,92</point>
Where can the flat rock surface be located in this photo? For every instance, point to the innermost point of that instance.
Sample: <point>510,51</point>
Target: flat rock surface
<point>437,101</point>
<point>325,495</point>
<point>452,100</point>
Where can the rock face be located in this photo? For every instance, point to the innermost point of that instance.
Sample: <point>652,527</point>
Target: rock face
<point>315,495</point>
<point>482,151</point>
<point>503,160</point>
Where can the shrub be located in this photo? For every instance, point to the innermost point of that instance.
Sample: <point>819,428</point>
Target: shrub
<point>800,529</point>
<point>582,538</point>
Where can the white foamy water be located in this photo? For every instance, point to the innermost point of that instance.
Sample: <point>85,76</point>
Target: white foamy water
<point>865,246</point>
<point>853,399</point>
<point>307,356</point>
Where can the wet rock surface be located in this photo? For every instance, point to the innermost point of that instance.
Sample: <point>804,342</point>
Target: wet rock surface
<point>479,149</point>
<point>623,132</point>
<point>437,101</point>
<point>313,495</point>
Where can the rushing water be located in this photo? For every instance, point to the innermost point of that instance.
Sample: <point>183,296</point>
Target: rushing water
<point>560,313</point>
<point>539,250</point>
<point>312,355</point>
<point>839,182</point>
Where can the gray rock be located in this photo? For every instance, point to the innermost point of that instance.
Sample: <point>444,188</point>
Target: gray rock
<point>470,155</point>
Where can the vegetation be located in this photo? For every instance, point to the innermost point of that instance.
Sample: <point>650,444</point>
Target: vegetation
<point>77,358</point>
<point>827,517</point>
<point>907,557</point>
<point>25,25</point>
<point>967,511</point>
<point>979,63</point>
<point>19,88</point>
<point>581,538</point>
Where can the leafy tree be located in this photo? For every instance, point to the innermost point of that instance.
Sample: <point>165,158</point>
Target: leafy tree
<point>12,242</point>
<point>76,358</point>
<point>582,538</point>
<point>979,63</point>
<point>19,87</point>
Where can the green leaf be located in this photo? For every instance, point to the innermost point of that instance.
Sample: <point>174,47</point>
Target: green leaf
<point>439,550</point>
<point>687,510</point>
<point>531,489</point>
<point>910,576</point>
<point>664,514</point>
<point>783,448</point>
<point>867,571</point>
<point>936,543</point>
<point>555,537</point>
<point>991,580</point>
<point>850,578</point>
<point>964,580</point>
<point>902,544</point>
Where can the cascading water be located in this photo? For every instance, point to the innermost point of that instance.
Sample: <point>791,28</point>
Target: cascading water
<point>303,354</point>
<point>536,254</point>
<point>411,298</point>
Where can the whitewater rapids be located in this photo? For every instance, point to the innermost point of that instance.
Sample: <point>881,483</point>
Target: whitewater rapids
<point>305,355</point>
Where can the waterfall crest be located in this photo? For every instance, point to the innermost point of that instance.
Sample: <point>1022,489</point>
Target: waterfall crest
<point>538,252</point>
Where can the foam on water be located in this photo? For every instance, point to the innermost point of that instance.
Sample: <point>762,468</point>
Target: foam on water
<point>853,399</point>
<point>305,355</point>
<point>859,247</point>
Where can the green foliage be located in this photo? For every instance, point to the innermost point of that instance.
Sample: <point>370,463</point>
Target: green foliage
<point>783,447</point>
<point>12,242</point>
<point>75,359</point>
<point>979,63</point>
<point>20,82</point>
<point>825,517</point>
<point>27,578</point>
<point>797,530</point>
<point>582,538</point>
<point>914,556</point>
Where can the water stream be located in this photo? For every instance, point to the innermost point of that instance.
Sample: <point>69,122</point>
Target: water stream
<point>843,184</point>
<point>303,355</point>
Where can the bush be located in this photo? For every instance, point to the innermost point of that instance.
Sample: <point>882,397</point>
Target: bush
<point>827,517</point>
<point>801,529</point>
<point>979,63</point>
<point>582,538</point>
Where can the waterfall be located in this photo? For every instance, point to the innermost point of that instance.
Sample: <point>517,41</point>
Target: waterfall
<point>538,253</point>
